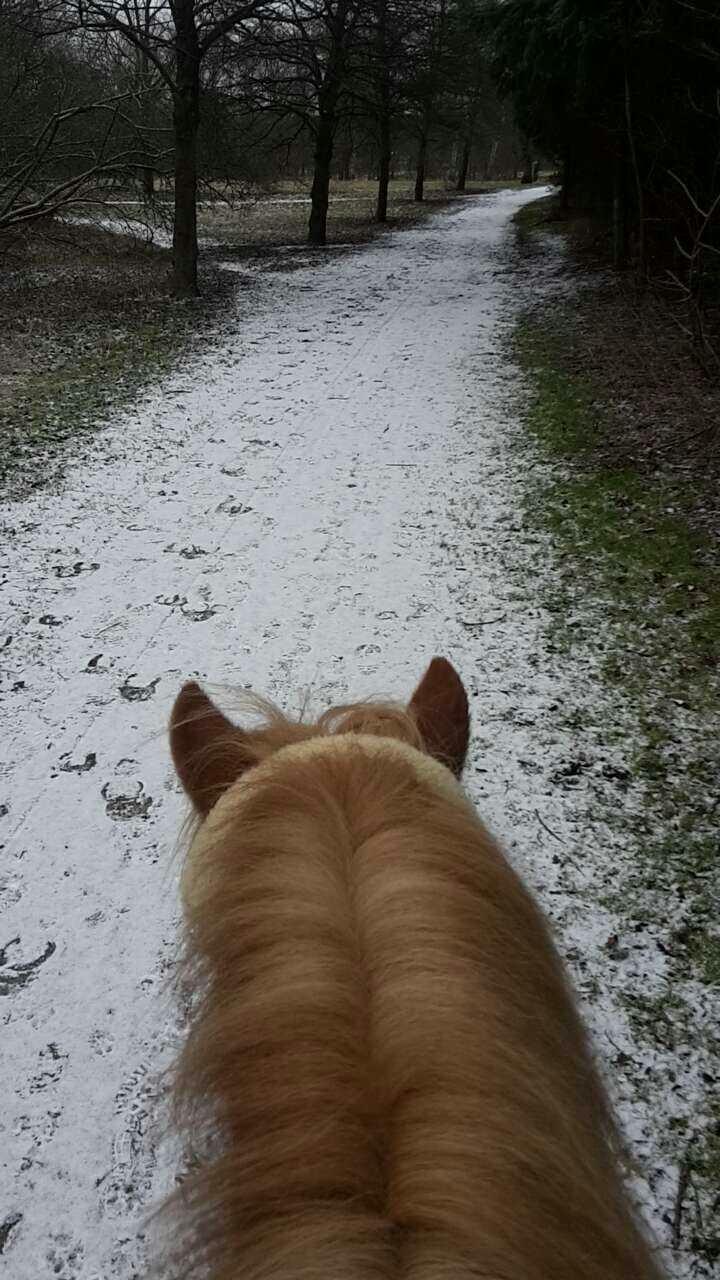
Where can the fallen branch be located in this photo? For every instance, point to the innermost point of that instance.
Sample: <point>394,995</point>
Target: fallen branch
<point>549,830</point>
<point>484,622</point>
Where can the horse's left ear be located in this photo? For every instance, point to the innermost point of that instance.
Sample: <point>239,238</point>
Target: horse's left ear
<point>207,749</point>
<point>439,707</point>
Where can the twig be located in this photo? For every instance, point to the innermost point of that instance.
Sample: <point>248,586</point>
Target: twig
<point>549,830</point>
<point>484,622</point>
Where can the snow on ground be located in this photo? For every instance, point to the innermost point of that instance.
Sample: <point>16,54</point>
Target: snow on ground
<point>140,228</point>
<point>322,503</point>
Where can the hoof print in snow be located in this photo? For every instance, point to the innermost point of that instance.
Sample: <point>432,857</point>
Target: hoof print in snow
<point>616,773</point>
<point>192,553</point>
<point>126,765</point>
<point>88,763</point>
<point>65,1257</point>
<point>122,807</point>
<point>49,620</point>
<point>16,976</point>
<point>199,615</point>
<point>52,1065</point>
<point>74,570</point>
<point>101,1042</point>
<point>4,810</point>
<point>234,472</point>
<point>232,508</point>
<point>93,668</point>
<point>138,692</point>
<point>171,602</point>
<point>569,772</point>
<point>7,1226</point>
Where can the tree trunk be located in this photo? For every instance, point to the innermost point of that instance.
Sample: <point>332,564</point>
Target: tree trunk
<point>464,164</point>
<point>345,163</point>
<point>384,113</point>
<point>320,194</point>
<point>527,162</point>
<point>328,100</point>
<point>186,118</point>
<point>619,216</point>
<point>420,170</point>
<point>148,183</point>
<point>632,149</point>
<point>383,179</point>
<point>568,181</point>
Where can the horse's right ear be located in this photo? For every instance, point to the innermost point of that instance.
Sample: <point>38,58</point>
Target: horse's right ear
<point>439,707</point>
<point>207,750</point>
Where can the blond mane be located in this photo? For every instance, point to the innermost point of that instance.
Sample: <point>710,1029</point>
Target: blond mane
<point>385,1074</point>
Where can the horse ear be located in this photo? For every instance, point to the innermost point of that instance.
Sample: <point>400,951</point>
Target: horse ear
<point>439,707</point>
<point>207,750</point>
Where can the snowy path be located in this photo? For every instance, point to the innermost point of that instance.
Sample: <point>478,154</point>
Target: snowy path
<point>325,502</point>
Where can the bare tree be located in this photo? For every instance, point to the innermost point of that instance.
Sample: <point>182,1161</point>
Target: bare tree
<point>174,39</point>
<point>71,121</point>
<point>429,55</point>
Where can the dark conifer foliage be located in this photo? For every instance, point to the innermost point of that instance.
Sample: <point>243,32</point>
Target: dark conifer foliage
<point>625,97</point>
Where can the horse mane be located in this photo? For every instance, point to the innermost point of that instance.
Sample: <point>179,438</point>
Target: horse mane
<point>273,730</point>
<point>385,1074</point>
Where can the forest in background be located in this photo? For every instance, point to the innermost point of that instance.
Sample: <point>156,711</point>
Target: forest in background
<point>101,99</point>
<point>107,100</point>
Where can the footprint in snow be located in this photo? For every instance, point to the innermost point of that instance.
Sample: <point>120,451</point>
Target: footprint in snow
<point>121,806</point>
<point>172,602</point>
<point>52,1065</point>
<point>138,692</point>
<point>74,570</point>
<point>16,976</point>
<point>199,615</point>
<point>7,1226</point>
<point>93,668</point>
<point>229,507</point>
<point>88,763</point>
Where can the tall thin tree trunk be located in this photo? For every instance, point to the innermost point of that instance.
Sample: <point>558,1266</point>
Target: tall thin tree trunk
<point>329,93</point>
<point>420,169</point>
<point>619,215</point>
<point>438,41</point>
<point>148,174</point>
<point>320,193</point>
<point>527,162</point>
<point>186,119</point>
<point>384,113</point>
<point>568,180</point>
<point>632,149</point>
<point>383,171</point>
<point>464,165</point>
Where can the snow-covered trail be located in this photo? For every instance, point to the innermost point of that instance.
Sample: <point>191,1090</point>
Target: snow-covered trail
<point>323,503</point>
